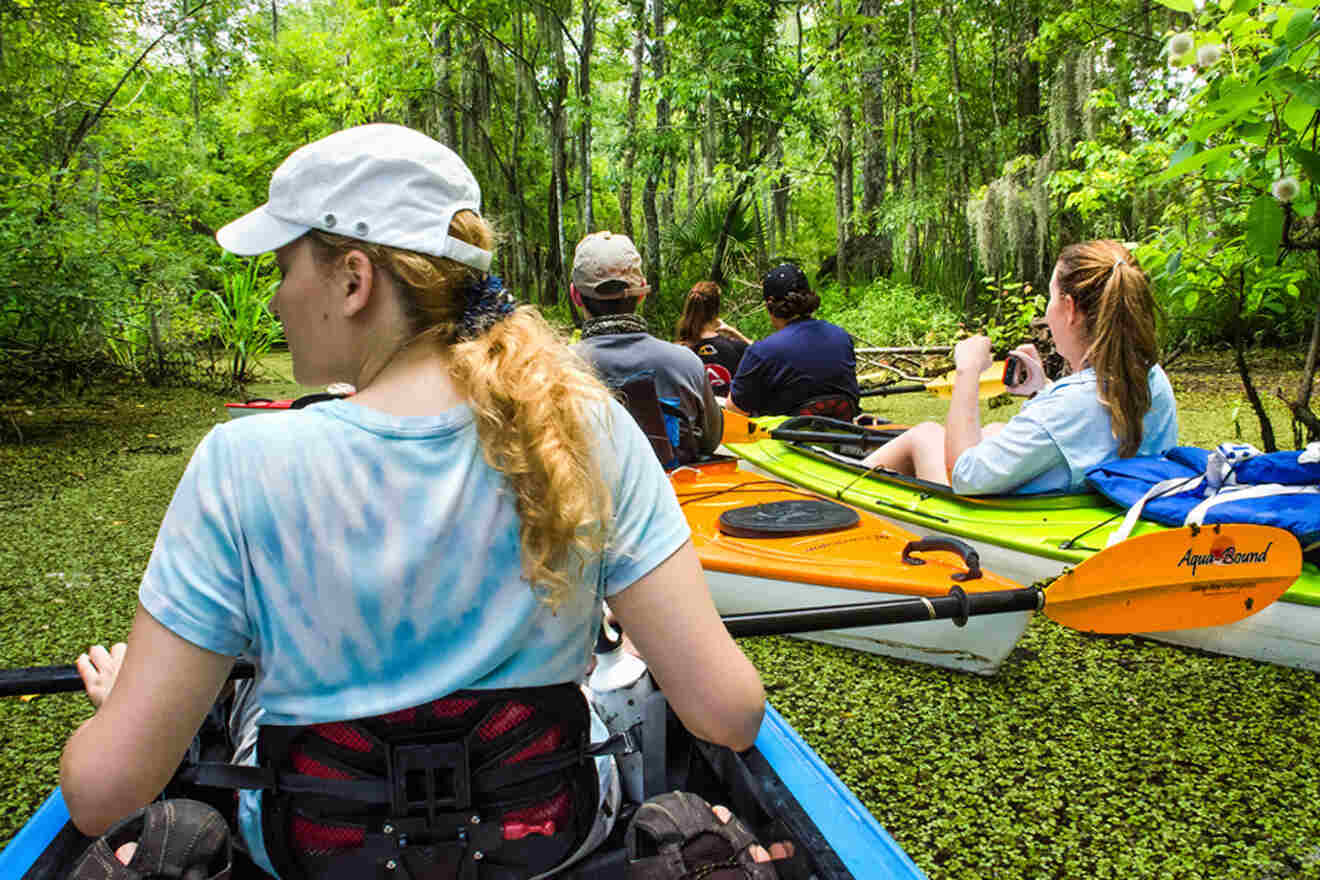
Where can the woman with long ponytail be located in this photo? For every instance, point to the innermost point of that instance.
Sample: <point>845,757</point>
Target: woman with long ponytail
<point>451,529</point>
<point>1117,401</point>
<point>714,340</point>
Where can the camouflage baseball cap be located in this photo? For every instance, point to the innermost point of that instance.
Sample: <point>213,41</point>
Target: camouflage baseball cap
<point>604,256</point>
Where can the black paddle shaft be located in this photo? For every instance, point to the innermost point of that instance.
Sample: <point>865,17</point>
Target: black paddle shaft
<point>860,438</point>
<point>885,390</point>
<point>957,605</point>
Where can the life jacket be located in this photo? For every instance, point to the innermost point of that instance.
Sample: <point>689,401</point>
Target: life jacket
<point>1233,483</point>
<point>478,785</point>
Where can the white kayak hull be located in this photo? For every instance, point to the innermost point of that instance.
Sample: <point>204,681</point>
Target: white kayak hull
<point>979,647</point>
<point>1283,633</point>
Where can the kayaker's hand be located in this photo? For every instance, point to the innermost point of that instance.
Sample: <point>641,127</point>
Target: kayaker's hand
<point>972,355</point>
<point>1029,358</point>
<point>99,668</point>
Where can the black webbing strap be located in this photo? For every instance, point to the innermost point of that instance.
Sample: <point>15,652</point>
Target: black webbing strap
<point>655,721</point>
<point>214,774</point>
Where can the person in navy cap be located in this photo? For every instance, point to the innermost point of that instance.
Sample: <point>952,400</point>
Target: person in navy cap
<point>806,367</point>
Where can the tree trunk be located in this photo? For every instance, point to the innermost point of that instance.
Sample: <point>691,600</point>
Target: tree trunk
<point>444,106</point>
<point>960,244</point>
<point>875,158</point>
<point>274,21</point>
<point>558,148</point>
<point>710,135</point>
<point>650,216</point>
<point>1028,95</point>
<point>691,200</point>
<point>780,194</point>
<point>844,174</point>
<point>669,195</point>
<point>518,268</point>
<point>584,92</point>
<point>875,162</point>
<point>630,137</point>
<point>657,163</point>
<point>557,125</point>
<point>843,192</point>
<point>913,250</point>
<point>717,261</point>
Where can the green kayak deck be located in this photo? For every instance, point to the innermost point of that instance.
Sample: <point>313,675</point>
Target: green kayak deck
<point>1056,528</point>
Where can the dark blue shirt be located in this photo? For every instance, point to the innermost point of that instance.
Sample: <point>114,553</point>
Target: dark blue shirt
<point>806,359</point>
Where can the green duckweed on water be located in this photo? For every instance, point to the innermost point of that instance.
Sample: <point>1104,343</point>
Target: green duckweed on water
<point>1084,757</point>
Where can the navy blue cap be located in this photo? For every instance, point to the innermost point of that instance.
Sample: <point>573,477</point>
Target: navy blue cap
<point>782,280</point>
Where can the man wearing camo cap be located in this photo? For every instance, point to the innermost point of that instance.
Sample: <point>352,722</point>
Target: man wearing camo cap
<point>609,285</point>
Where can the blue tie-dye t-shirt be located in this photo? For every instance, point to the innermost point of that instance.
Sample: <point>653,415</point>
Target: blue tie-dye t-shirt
<point>369,562</point>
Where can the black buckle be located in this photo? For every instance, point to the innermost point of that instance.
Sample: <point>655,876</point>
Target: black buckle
<point>429,777</point>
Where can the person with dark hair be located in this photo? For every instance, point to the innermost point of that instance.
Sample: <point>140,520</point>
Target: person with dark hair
<point>719,345</point>
<point>1116,402</point>
<point>418,571</point>
<point>805,366</point>
<point>609,286</point>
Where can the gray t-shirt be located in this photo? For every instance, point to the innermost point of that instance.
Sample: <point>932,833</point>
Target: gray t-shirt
<point>618,356</point>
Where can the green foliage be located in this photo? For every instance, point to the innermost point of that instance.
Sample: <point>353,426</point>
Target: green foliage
<point>889,313</point>
<point>1197,192</point>
<point>242,316</point>
<point>1013,306</point>
<point>692,243</point>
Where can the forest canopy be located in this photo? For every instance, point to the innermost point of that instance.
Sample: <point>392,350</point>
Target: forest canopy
<point>915,150</point>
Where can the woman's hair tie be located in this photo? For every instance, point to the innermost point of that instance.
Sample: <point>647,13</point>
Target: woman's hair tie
<point>487,302</point>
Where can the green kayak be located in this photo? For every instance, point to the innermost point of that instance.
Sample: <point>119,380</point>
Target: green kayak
<point>1027,538</point>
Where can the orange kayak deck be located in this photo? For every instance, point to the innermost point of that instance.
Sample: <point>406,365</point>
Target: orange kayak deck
<point>866,556</point>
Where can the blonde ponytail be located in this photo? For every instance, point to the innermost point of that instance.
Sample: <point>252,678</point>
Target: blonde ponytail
<point>532,398</point>
<point>1120,316</point>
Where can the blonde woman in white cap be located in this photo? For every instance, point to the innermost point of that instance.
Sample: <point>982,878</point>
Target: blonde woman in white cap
<point>454,527</point>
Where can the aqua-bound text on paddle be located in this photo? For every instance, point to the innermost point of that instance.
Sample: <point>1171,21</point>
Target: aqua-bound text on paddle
<point>1228,556</point>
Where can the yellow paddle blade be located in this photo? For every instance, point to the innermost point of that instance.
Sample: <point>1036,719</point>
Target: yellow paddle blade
<point>1177,579</point>
<point>992,383</point>
<point>738,428</point>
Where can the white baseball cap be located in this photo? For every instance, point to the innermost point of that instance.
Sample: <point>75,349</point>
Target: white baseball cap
<point>381,183</point>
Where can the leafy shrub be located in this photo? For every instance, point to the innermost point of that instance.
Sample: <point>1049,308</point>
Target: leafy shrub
<point>243,321</point>
<point>889,313</point>
<point>1013,306</point>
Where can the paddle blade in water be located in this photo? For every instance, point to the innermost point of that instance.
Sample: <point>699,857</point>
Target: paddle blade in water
<point>1177,579</point>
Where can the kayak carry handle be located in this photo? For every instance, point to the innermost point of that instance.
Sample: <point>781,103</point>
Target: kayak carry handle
<point>970,557</point>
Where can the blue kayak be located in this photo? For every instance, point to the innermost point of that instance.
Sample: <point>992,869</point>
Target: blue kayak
<point>779,783</point>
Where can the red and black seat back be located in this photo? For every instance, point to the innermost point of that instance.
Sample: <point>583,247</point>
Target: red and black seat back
<point>479,784</point>
<point>830,406</point>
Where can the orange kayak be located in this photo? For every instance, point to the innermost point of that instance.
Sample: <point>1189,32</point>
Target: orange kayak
<point>767,545</point>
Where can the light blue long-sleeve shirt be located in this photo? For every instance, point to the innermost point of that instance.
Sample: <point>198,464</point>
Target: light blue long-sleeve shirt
<point>1060,433</point>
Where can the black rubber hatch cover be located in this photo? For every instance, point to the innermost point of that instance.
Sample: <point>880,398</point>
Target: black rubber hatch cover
<point>787,519</point>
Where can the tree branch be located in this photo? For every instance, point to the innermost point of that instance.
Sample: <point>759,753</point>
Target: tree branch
<point>89,120</point>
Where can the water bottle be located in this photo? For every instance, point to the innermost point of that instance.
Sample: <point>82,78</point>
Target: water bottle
<point>620,685</point>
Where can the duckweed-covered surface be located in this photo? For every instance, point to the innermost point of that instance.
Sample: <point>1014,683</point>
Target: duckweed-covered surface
<point>1085,757</point>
